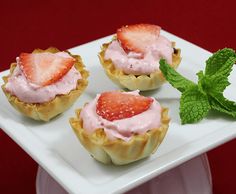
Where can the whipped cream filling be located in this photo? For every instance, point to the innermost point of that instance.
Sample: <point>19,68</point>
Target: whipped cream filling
<point>134,63</point>
<point>19,86</point>
<point>123,128</point>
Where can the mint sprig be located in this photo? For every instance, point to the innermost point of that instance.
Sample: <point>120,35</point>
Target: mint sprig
<point>197,99</point>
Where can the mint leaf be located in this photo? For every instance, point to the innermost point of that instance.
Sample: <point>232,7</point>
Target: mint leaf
<point>174,78</point>
<point>218,62</point>
<point>227,67</point>
<point>220,103</point>
<point>213,84</point>
<point>194,105</point>
<point>216,84</point>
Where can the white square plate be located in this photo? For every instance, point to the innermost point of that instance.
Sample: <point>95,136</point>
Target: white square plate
<point>55,147</point>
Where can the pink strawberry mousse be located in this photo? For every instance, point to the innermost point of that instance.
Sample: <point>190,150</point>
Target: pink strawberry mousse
<point>134,63</point>
<point>28,92</point>
<point>123,128</point>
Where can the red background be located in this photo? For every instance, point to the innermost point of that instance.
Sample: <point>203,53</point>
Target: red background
<point>25,25</point>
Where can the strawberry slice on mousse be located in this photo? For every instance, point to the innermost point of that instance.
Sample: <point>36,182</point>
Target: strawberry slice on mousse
<point>117,105</point>
<point>46,68</point>
<point>138,37</point>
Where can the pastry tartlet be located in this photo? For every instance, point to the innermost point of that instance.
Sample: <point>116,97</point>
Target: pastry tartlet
<point>131,59</point>
<point>45,83</point>
<point>121,127</point>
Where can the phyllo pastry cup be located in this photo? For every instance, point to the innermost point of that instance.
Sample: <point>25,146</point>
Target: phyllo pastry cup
<point>118,151</point>
<point>47,110</point>
<point>136,82</point>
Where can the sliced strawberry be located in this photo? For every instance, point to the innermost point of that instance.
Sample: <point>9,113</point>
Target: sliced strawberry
<point>45,68</point>
<point>138,37</point>
<point>118,105</point>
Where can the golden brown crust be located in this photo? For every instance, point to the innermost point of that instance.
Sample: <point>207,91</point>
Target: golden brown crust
<point>118,151</point>
<point>134,82</point>
<point>48,110</point>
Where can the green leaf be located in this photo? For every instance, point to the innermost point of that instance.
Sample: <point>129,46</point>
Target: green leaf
<point>220,103</point>
<point>212,84</point>
<point>174,78</point>
<point>226,69</point>
<point>217,84</point>
<point>194,105</point>
<point>220,62</point>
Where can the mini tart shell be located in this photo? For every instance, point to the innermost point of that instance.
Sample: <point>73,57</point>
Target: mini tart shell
<point>118,151</point>
<point>135,82</point>
<point>47,110</point>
